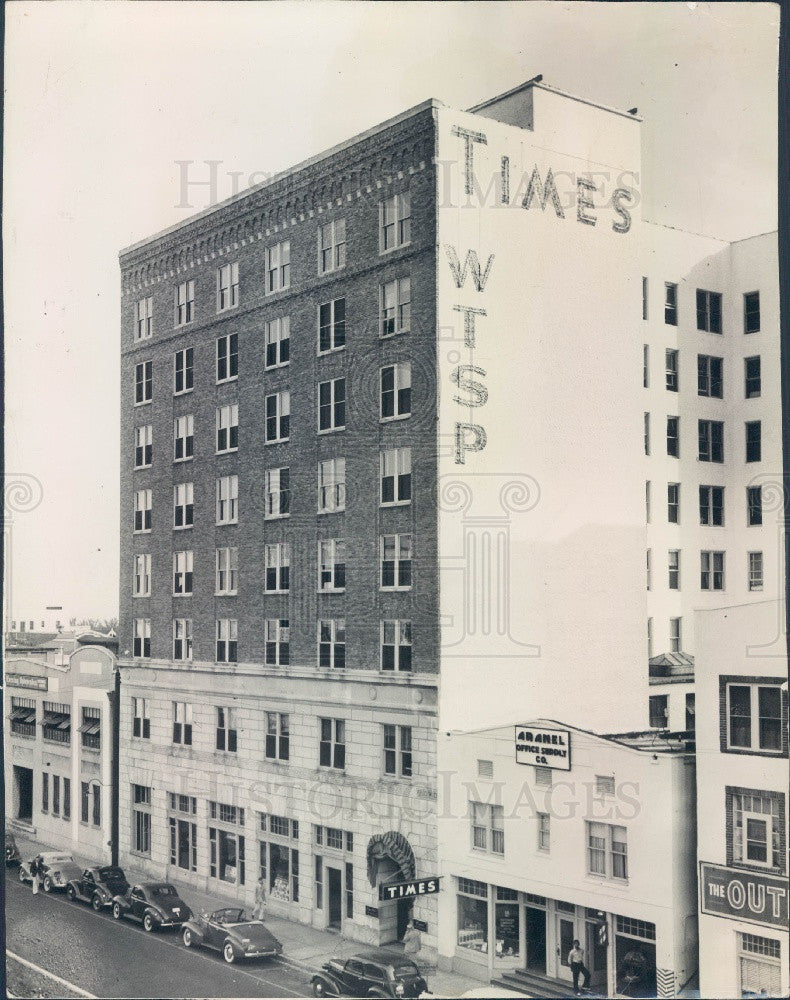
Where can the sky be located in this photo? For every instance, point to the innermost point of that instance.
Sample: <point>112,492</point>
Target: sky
<point>110,105</point>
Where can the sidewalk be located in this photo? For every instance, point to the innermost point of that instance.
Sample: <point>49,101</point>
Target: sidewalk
<point>305,947</point>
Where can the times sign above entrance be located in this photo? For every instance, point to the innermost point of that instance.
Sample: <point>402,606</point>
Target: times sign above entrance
<point>406,890</point>
<point>543,747</point>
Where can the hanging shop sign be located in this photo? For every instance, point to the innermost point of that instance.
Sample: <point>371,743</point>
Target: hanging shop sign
<point>544,747</point>
<point>404,890</point>
<point>742,895</point>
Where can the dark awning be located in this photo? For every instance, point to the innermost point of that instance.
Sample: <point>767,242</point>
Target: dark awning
<point>21,714</point>
<point>90,727</point>
<point>55,718</point>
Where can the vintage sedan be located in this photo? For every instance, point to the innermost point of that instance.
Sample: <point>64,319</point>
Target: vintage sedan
<point>98,886</point>
<point>232,933</point>
<point>12,855</point>
<point>55,868</point>
<point>154,904</point>
<point>373,974</point>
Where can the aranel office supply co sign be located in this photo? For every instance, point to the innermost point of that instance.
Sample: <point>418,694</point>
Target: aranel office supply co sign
<point>544,747</point>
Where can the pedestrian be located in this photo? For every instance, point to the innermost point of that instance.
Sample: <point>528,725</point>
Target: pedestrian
<point>412,942</point>
<point>576,962</point>
<point>34,870</point>
<point>259,911</point>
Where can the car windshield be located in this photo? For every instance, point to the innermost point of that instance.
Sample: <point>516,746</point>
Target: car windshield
<point>57,859</point>
<point>110,874</point>
<point>163,890</point>
<point>231,916</point>
<point>406,969</point>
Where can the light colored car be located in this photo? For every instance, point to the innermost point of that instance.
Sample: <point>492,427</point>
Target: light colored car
<point>232,933</point>
<point>56,870</point>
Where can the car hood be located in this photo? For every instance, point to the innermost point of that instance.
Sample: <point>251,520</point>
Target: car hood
<point>256,933</point>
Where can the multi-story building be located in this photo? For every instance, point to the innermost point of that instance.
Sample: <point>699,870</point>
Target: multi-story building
<point>742,814</point>
<point>59,737</point>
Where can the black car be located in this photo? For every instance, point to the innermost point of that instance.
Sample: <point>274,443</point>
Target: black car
<point>376,974</point>
<point>12,855</point>
<point>154,904</point>
<point>98,886</point>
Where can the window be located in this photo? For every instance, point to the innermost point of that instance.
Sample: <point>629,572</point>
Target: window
<point>143,446</point>
<point>754,502</point>
<point>183,371</point>
<point>710,376</point>
<point>278,342</point>
<point>182,723</point>
<point>56,724</point>
<point>185,302</point>
<point>395,307</point>
<point>711,440</point>
<point>141,722</point>
<point>227,286</point>
<point>141,640</point>
<point>332,744</point>
<point>67,798</point>
<point>674,569</point>
<point>673,437</point>
<point>604,784</point>
<point>607,850</point>
<point>183,505</point>
<point>183,437</point>
<point>647,433</point>
<point>712,570</point>
<point>673,503</point>
<point>332,405</point>
<point>755,571</point>
<point>279,864</point>
<point>182,639</point>
<point>396,562</point>
<point>143,382</point>
<point>23,716</point>
<point>711,505</point>
<point>394,221</point>
<point>647,502</point>
<point>227,570</point>
<point>183,838</point>
<point>143,318</point>
<point>228,500</point>
<point>141,819</point>
<point>276,492</point>
<point>708,311</point>
<point>397,750</point>
<point>227,640</point>
<point>649,568</point>
<point>659,711</point>
<point>227,357</point>
<point>759,966</point>
<point>142,576</point>
<point>488,829</point>
<point>331,326</point>
<point>226,813</point>
<point>544,777</point>
<point>331,246</point>
<point>754,715</point>
<point>670,303</point>
<point>544,832</point>
<point>332,564</point>
<point>395,399</point>
<point>277,559</point>
<point>85,790</point>
<point>649,638</point>
<point>226,733</point>
<point>645,366</point>
<point>331,485</point>
<point>182,573</point>
<point>226,856</point>
<point>277,642</point>
<point>473,915</point>
<point>690,713</point>
<point>752,377</point>
<point>396,645</point>
<point>751,312</point>
<point>91,728</point>
<point>278,734</point>
<point>332,643</point>
<point>278,416</point>
<point>644,298</point>
<point>395,476</point>
<point>672,370</point>
<point>753,441</point>
<point>675,635</point>
<point>278,267</point>
<point>757,826</point>
<point>227,428</point>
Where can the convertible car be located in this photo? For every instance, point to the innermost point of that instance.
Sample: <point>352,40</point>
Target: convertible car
<point>154,904</point>
<point>98,886</point>
<point>231,932</point>
<point>55,867</point>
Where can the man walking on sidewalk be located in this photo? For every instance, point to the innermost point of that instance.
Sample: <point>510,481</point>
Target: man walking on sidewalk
<point>259,911</point>
<point>576,962</point>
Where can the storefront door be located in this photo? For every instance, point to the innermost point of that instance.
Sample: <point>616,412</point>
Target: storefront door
<point>536,939</point>
<point>335,884</point>
<point>595,957</point>
<point>565,937</point>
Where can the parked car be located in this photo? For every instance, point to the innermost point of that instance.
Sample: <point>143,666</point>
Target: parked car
<point>98,886</point>
<point>55,868</point>
<point>374,974</point>
<point>12,855</point>
<point>154,904</point>
<point>233,933</point>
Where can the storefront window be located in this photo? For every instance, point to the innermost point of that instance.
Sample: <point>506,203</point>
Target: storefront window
<point>227,856</point>
<point>472,915</point>
<point>506,924</point>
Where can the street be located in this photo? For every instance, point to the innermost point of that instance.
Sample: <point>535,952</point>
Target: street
<point>109,958</point>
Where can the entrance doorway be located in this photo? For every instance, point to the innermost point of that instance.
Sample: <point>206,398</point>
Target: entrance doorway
<point>595,956</point>
<point>536,940</point>
<point>334,880</point>
<point>23,793</point>
<point>565,938</point>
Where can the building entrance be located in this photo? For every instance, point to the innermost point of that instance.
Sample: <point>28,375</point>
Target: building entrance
<point>335,887</point>
<point>565,936</point>
<point>23,793</point>
<point>536,940</point>
<point>595,956</point>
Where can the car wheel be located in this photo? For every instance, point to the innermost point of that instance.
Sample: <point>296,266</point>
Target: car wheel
<point>71,893</point>
<point>22,877</point>
<point>187,936</point>
<point>47,884</point>
<point>319,988</point>
<point>96,902</point>
<point>228,953</point>
<point>148,922</point>
<point>116,911</point>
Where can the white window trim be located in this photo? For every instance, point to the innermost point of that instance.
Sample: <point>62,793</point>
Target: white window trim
<point>767,820</point>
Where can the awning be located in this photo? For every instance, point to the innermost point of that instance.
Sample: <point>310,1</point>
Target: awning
<point>91,727</point>
<point>22,714</point>
<point>55,718</point>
